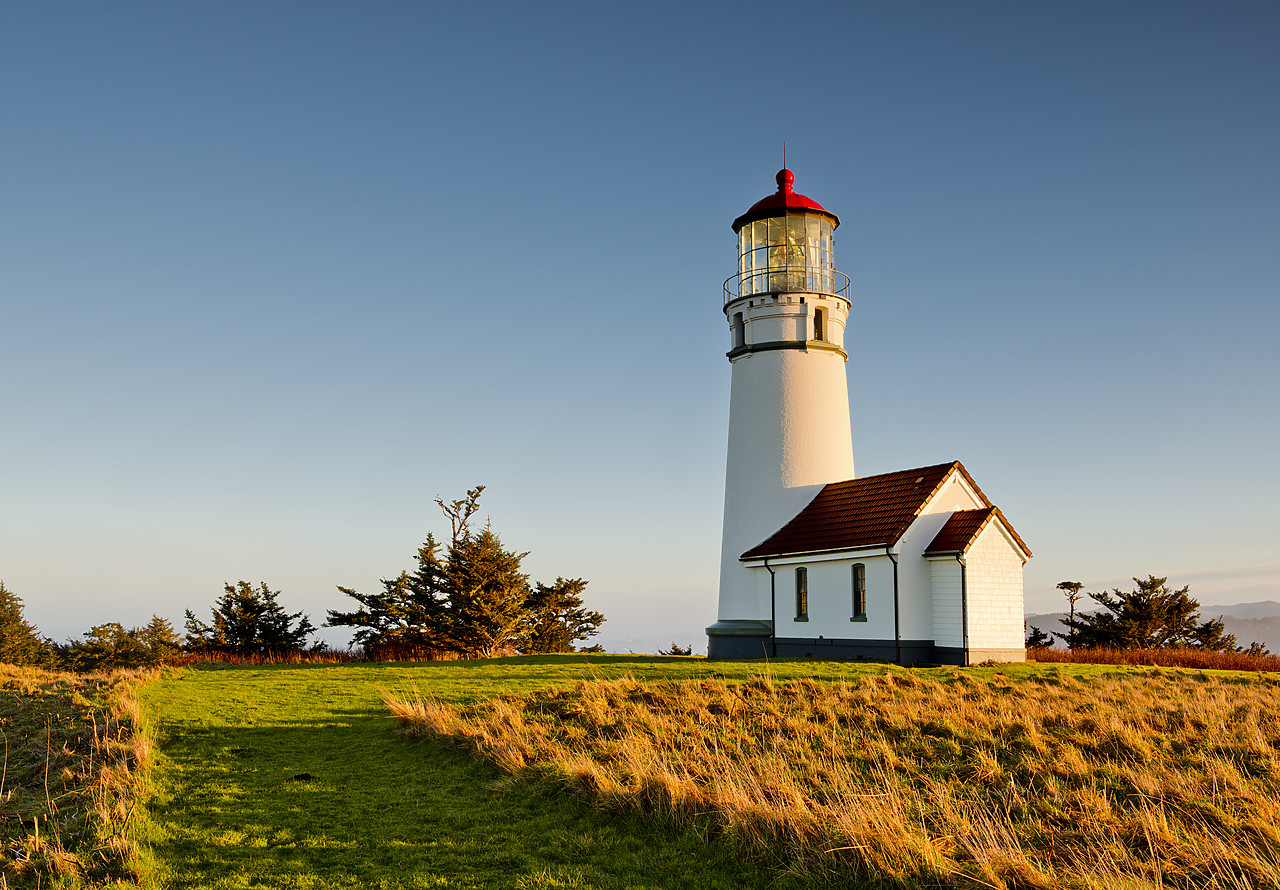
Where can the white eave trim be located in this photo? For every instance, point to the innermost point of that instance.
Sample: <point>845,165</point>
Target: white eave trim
<point>973,493</point>
<point>824,556</point>
<point>1013,542</point>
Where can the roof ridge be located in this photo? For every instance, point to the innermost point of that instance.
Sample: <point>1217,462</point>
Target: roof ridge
<point>981,494</point>
<point>945,476</point>
<point>996,511</point>
<point>870,511</point>
<point>942,480</point>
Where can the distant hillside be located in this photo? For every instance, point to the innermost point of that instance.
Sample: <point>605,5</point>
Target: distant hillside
<point>1264,609</point>
<point>1248,621</point>
<point>1247,630</point>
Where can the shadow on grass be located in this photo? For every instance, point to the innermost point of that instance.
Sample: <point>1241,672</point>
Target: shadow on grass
<point>346,801</point>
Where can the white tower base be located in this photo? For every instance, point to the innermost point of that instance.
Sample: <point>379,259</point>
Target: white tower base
<point>789,434</point>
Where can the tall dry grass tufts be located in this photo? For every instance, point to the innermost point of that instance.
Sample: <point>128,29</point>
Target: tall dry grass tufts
<point>75,769</point>
<point>1159,779</point>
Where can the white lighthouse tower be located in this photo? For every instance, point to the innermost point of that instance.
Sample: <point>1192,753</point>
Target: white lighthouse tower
<point>789,432</point>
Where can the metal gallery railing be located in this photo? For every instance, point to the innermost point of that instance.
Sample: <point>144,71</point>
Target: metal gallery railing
<point>786,280</point>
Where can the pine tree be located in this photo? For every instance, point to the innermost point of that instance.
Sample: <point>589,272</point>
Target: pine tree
<point>559,617</point>
<point>248,621</point>
<point>110,646</point>
<point>1149,617</point>
<point>1072,590</point>
<point>161,640</point>
<point>278,630</point>
<point>20,641</point>
<point>1038,639</point>
<point>470,598</point>
<point>488,595</point>
<point>106,647</point>
<point>408,618</point>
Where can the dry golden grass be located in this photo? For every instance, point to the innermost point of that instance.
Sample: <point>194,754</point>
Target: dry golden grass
<point>1152,779</point>
<point>74,769</point>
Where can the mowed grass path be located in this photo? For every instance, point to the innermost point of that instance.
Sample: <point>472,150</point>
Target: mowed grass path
<point>297,776</point>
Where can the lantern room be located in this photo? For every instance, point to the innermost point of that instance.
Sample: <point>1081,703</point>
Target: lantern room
<point>786,244</point>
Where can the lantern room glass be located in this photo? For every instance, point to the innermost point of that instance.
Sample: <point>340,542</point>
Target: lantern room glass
<point>786,254</point>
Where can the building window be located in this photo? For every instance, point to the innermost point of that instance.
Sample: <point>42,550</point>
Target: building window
<point>819,324</point>
<point>859,591</point>
<point>739,331</point>
<point>802,594</point>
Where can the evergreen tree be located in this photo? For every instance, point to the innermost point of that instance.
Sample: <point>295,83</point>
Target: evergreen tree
<point>110,646</point>
<point>20,642</point>
<point>408,617</point>
<point>488,595</point>
<point>1072,590</point>
<point>278,630</point>
<point>470,598</point>
<point>248,621</point>
<point>559,617</point>
<point>1149,617</point>
<point>162,641</point>
<point>1038,639</point>
<point>105,647</point>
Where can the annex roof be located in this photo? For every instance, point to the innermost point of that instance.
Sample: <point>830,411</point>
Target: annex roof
<point>873,511</point>
<point>961,530</point>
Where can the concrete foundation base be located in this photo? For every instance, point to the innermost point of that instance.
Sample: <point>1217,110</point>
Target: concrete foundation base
<point>744,640</point>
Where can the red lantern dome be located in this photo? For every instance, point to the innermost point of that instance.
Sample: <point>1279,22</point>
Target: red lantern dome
<point>781,202</point>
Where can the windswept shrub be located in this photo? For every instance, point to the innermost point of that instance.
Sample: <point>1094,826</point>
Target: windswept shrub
<point>111,646</point>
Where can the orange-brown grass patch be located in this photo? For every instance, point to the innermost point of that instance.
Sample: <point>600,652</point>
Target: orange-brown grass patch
<point>1201,659</point>
<point>73,773</point>
<point>203,657</point>
<point>1157,779</point>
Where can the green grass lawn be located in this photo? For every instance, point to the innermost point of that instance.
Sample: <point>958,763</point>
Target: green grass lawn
<point>297,776</point>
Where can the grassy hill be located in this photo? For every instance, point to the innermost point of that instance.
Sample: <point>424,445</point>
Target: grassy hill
<point>1017,776</point>
<point>291,776</point>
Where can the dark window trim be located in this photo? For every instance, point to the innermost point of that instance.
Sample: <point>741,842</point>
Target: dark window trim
<point>802,594</point>
<point>859,582</point>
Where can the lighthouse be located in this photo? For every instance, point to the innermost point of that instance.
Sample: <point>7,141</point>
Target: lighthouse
<point>787,309</point>
<point>912,566</point>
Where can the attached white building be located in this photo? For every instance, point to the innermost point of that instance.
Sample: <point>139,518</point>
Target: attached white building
<point>915,566</point>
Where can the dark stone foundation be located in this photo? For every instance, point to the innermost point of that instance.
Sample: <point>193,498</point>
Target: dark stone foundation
<point>745,640</point>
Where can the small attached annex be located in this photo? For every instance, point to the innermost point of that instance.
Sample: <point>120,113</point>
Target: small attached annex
<point>915,566</point>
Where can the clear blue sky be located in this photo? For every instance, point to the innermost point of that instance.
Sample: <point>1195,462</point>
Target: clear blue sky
<point>273,276</point>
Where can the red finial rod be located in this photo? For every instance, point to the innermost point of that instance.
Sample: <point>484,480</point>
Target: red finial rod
<point>785,179</point>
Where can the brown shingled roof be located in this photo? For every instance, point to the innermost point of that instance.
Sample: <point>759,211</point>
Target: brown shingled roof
<point>867,512</point>
<point>960,531</point>
<point>874,511</point>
